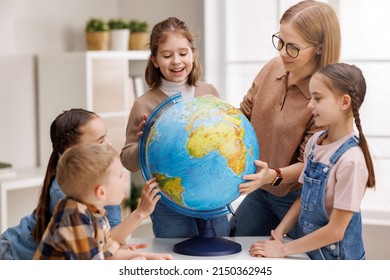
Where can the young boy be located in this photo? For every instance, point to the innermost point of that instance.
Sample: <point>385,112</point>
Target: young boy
<point>91,176</point>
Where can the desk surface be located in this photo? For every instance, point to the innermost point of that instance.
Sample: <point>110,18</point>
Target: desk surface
<point>165,245</point>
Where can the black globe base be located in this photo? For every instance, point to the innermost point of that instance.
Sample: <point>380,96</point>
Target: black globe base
<point>207,244</point>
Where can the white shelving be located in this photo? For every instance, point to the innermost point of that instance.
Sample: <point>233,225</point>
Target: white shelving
<point>94,80</point>
<point>15,195</point>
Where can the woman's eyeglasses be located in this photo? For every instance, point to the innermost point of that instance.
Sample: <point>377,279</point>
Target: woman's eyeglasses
<point>291,50</point>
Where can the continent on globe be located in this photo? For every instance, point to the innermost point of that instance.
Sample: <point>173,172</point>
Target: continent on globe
<point>198,149</point>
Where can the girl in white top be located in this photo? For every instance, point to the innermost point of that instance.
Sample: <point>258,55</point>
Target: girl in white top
<point>173,67</point>
<point>338,169</point>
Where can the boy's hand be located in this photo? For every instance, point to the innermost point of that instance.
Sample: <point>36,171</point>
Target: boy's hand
<point>149,197</point>
<point>157,256</point>
<point>138,246</point>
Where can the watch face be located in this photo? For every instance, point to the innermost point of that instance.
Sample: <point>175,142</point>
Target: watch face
<point>278,180</point>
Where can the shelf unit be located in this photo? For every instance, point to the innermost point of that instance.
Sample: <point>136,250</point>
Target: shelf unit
<point>98,81</point>
<point>16,194</point>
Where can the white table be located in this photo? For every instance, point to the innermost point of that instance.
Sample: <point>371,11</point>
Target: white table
<point>24,179</point>
<point>165,245</point>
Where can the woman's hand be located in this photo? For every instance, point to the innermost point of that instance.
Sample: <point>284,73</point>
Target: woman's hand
<point>257,180</point>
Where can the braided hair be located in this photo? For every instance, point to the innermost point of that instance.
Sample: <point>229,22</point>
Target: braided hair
<point>349,79</point>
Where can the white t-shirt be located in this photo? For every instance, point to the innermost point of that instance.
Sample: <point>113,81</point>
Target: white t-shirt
<point>347,180</point>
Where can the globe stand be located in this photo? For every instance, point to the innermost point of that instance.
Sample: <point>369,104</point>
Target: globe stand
<point>207,244</point>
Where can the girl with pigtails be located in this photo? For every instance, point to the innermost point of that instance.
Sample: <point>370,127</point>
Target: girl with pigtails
<point>337,171</point>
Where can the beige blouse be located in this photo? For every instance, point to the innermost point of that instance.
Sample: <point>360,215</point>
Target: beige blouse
<point>281,119</point>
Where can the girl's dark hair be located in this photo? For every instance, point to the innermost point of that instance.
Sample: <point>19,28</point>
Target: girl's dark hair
<point>159,34</point>
<point>64,133</point>
<point>349,79</point>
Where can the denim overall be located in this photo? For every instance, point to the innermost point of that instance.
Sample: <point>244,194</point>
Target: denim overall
<point>313,213</point>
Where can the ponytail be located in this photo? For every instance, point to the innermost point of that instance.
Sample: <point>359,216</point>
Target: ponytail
<point>64,133</point>
<point>363,141</point>
<point>349,78</point>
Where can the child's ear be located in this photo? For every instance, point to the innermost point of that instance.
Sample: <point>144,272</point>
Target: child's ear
<point>153,59</point>
<point>345,102</point>
<point>100,192</point>
<point>319,50</point>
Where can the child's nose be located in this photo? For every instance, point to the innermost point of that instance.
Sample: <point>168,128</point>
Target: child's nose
<point>309,105</point>
<point>176,58</point>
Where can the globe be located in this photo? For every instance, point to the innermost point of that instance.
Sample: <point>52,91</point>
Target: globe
<point>198,149</point>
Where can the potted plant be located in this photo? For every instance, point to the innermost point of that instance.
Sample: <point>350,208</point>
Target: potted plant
<point>138,35</point>
<point>119,34</point>
<point>97,34</point>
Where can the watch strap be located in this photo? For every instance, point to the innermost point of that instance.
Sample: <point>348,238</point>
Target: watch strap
<point>278,178</point>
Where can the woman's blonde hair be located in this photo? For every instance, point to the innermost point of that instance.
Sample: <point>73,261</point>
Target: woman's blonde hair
<point>82,167</point>
<point>318,24</point>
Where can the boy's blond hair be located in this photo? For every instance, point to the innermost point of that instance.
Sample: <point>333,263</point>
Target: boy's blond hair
<point>82,167</point>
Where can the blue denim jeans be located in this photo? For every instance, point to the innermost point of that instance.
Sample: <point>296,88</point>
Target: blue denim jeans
<point>5,249</point>
<point>114,215</point>
<point>168,223</point>
<point>260,212</point>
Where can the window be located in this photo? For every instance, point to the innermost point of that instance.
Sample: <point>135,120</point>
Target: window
<point>238,36</point>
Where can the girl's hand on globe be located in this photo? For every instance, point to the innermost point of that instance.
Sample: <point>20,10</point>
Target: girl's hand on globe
<point>149,198</point>
<point>141,126</point>
<point>257,180</point>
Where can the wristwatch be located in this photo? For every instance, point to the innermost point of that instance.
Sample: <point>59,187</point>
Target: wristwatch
<point>278,178</point>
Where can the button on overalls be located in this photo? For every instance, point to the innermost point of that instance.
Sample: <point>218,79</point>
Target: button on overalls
<point>313,213</point>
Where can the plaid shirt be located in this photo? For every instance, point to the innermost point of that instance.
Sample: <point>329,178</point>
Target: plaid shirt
<point>76,231</point>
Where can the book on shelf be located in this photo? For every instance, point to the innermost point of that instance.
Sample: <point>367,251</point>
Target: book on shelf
<point>138,84</point>
<point>6,170</point>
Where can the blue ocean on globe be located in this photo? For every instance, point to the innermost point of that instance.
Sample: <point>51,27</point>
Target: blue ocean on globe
<point>198,149</point>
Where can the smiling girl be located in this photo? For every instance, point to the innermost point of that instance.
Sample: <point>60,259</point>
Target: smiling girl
<point>173,67</point>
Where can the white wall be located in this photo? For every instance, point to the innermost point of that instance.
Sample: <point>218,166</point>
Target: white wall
<point>30,27</point>
<point>238,36</point>
<point>34,26</point>
<point>190,11</point>
<point>18,123</point>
